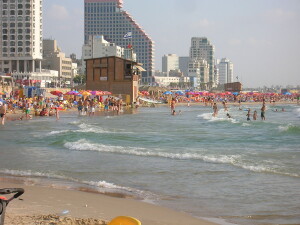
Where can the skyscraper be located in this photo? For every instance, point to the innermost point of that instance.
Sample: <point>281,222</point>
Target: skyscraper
<point>201,48</point>
<point>21,35</point>
<point>170,62</point>
<point>184,65</point>
<point>106,17</point>
<point>225,71</point>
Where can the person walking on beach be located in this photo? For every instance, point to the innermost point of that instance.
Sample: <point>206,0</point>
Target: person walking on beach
<point>2,112</point>
<point>215,109</point>
<point>263,110</point>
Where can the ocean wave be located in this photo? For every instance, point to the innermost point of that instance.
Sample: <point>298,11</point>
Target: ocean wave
<point>84,145</point>
<point>234,160</point>
<point>210,118</point>
<point>290,128</point>
<point>86,128</point>
<point>102,186</point>
<point>29,173</point>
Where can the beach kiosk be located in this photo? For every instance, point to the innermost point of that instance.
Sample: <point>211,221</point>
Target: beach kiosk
<point>114,74</point>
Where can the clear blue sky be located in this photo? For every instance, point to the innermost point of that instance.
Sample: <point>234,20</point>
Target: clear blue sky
<point>261,37</point>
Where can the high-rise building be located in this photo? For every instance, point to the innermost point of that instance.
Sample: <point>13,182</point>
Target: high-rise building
<point>106,17</point>
<point>55,59</point>
<point>184,65</point>
<point>21,33</point>
<point>201,48</point>
<point>170,62</point>
<point>225,71</point>
<point>199,71</point>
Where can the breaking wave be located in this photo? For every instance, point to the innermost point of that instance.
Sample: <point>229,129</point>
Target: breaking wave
<point>234,160</point>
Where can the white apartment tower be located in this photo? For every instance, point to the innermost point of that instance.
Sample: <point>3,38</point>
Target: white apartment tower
<point>201,48</point>
<point>170,62</point>
<point>21,30</point>
<point>225,71</point>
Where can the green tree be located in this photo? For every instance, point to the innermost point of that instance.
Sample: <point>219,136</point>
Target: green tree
<point>79,79</point>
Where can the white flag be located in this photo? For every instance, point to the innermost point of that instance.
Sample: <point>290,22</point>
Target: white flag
<point>128,35</point>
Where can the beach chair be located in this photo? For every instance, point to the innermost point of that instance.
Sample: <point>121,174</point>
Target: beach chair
<point>124,220</point>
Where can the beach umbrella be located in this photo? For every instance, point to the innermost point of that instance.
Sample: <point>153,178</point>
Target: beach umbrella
<point>96,92</point>
<point>57,93</point>
<point>167,93</point>
<point>190,93</point>
<point>72,93</point>
<point>235,93</point>
<point>106,93</point>
<point>179,93</point>
<point>85,93</point>
<point>287,93</point>
<point>2,93</point>
<point>145,93</point>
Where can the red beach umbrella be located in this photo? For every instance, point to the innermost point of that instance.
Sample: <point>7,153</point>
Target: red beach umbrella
<point>57,93</point>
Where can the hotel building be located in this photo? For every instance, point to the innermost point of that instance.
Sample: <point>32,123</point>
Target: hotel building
<point>225,71</point>
<point>201,48</point>
<point>170,62</point>
<point>106,17</point>
<point>21,33</point>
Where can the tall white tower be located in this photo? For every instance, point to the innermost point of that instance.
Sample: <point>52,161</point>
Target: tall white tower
<point>21,31</point>
<point>170,62</point>
<point>225,71</point>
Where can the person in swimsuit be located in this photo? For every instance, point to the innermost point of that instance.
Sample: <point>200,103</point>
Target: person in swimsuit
<point>2,112</point>
<point>263,110</point>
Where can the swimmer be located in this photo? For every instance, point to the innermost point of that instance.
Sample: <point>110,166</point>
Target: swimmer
<point>228,116</point>
<point>173,113</point>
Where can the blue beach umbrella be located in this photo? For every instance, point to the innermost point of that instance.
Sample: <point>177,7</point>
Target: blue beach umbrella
<point>287,93</point>
<point>168,93</point>
<point>235,93</point>
<point>179,93</point>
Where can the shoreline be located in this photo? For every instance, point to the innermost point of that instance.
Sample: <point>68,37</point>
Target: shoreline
<point>43,204</point>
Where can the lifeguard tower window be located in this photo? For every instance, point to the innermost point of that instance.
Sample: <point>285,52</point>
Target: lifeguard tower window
<point>128,71</point>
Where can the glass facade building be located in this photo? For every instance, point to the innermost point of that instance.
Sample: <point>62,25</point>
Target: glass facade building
<point>106,17</point>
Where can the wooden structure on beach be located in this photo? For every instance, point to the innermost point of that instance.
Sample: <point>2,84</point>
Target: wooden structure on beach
<point>114,74</point>
<point>233,87</point>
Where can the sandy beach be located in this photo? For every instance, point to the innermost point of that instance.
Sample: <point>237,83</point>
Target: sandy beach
<point>42,205</point>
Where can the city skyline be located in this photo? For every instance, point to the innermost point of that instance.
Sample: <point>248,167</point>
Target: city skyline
<point>259,37</point>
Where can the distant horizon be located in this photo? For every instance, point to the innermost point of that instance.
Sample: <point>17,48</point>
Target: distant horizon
<point>262,42</point>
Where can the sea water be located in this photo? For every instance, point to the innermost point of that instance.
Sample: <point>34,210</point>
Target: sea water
<point>242,172</point>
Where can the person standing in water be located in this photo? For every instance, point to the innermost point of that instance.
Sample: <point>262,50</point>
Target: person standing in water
<point>254,115</point>
<point>263,110</point>
<point>215,108</point>
<point>248,115</point>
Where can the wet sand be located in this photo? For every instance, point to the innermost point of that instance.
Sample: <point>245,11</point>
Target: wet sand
<point>43,205</point>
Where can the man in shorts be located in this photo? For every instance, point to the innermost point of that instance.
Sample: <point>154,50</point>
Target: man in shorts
<point>2,112</point>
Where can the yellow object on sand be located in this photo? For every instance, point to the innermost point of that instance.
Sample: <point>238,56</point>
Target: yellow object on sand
<point>125,220</point>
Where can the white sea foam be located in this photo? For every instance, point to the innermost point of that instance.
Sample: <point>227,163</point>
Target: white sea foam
<point>102,185</point>
<point>29,173</point>
<point>84,145</point>
<point>210,118</point>
<point>86,128</point>
<point>246,125</point>
<point>234,160</point>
